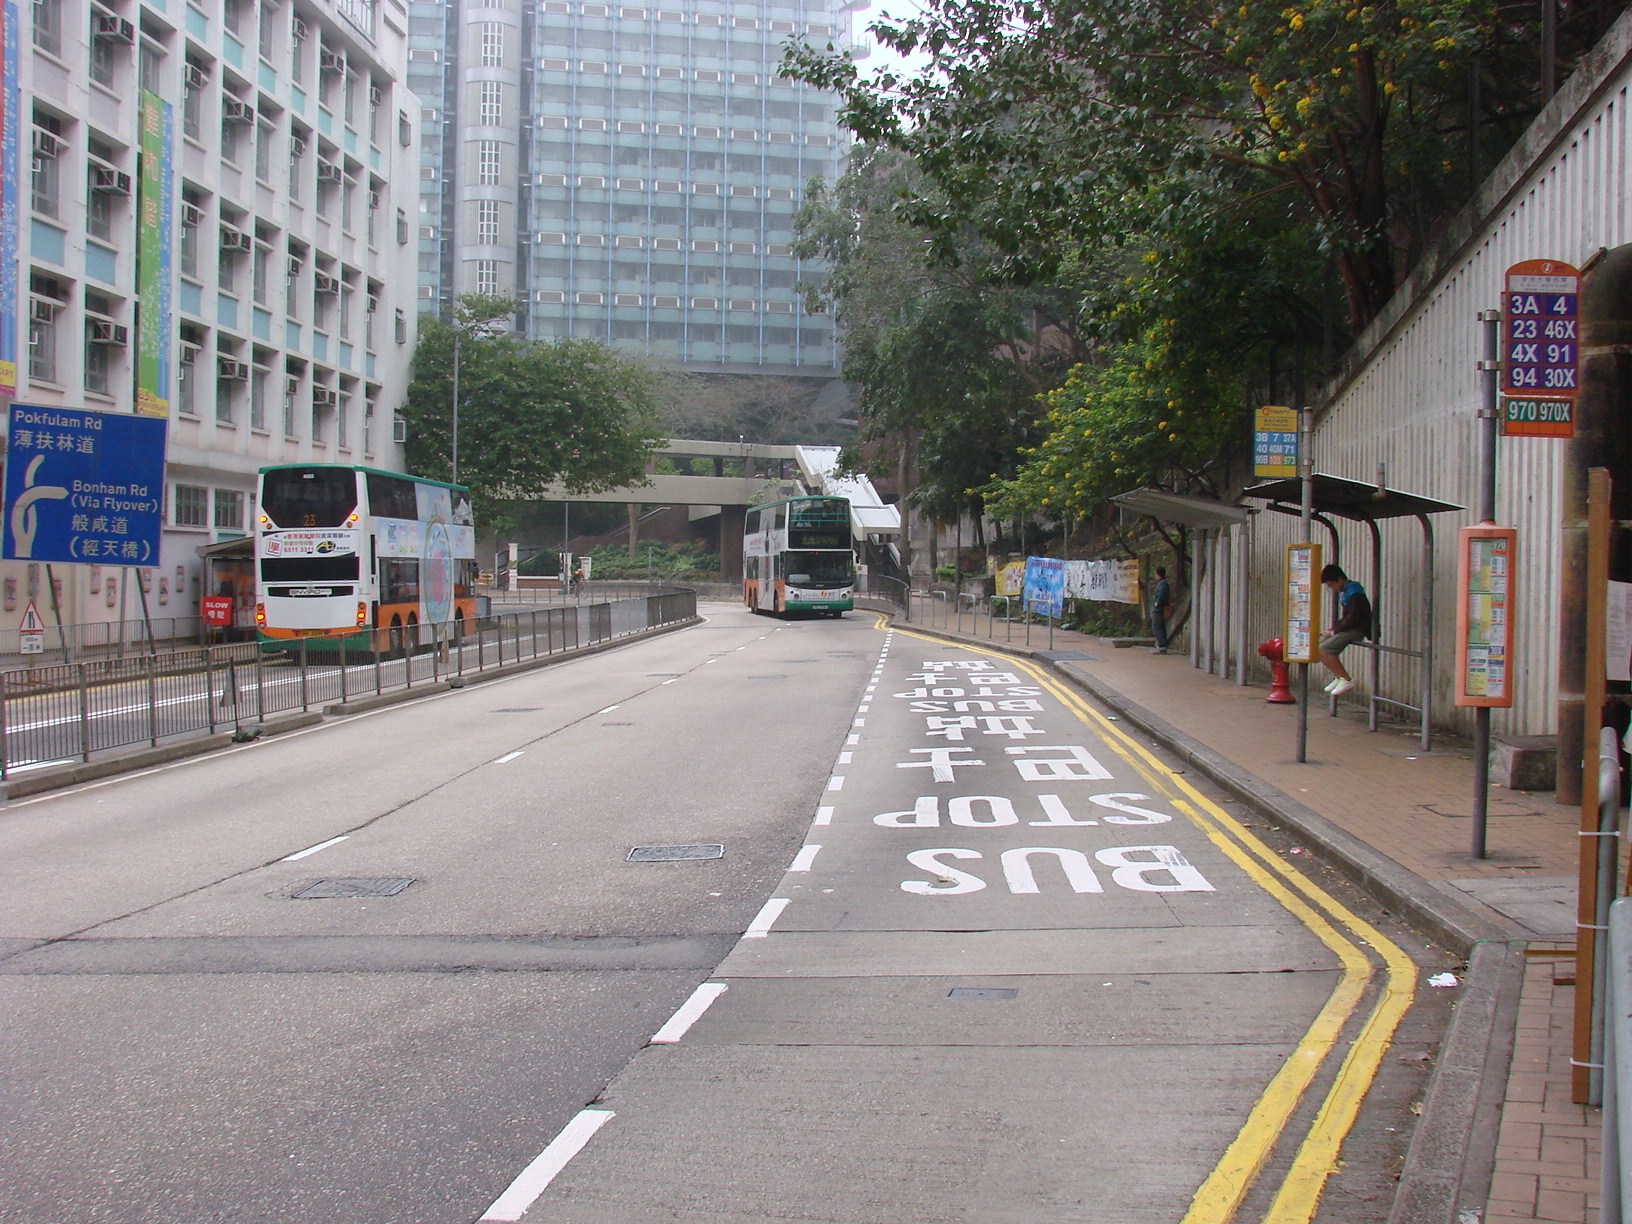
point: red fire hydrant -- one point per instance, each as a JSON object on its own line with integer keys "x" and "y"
{"x": 1279, "y": 692}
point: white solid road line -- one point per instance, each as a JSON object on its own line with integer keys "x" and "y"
{"x": 536, "y": 1177}
{"x": 766, "y": 918}
{"x": 824, "y": 815}
{"x": 509, "y": 756}
{"x": 805, "y": 857}
{"x": 610, "y": 708}
{"x": 835, "y": 783}
{"x": 300, "y": 854}
{"x": 689, "y": 1013}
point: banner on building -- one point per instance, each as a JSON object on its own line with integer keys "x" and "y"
{"x": 1045, "y": 586}
{"x": 1103, "y": 581}
{"x": 154, "y": 308}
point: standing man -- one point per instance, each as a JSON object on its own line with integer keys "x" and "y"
{"x": 1160, "y": 602}
{"x": 1353, "y": 625}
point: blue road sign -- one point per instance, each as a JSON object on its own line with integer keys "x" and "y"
{"x": 83, "y": 486}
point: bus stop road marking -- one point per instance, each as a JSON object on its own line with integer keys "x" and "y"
{"x": 766, "y": 918}
{"x": 510, "y": 756}
{"x": 688, "y": 1013}
{"x": 803, "y": 860}
{"x": 536, "y": 1177}
{"x": 1336, "y": 926}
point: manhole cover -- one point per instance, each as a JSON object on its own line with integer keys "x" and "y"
{"x": 982, "y": 992}
{"x": 356, "y": 886}
{"x": 519, "y": 710}
{"x": 675, "y": 854}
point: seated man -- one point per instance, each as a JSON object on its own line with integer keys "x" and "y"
{"x": 1353, "y": 625}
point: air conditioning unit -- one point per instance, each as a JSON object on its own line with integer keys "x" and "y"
{"x": 331, "y": 61}
{"x": 42, "y": 310}
{"x": 232, "y": 371}
{"x": 192, "y": 216}
{"x": 327, "y": 173}
{"x": 291, "y": 387}
{"x": 373, "y": 200}
{"x": 298, "y": 29}
{"x": 109, "y": 181}
{"x": 110, "y": 28}
{"x": 399, "y": 431}
{"x": 195, "y": 76}
{"x": 235, "y": 240}
{"x": 106, "y": 331}
{"x": 322, "y": 282}
{"x": 236, "y": 110}
{"x": 47, "y": 144}
{"x": 324, "y": 397}
{"x": 376, "y": 95}
{"x": 297, "y": 148}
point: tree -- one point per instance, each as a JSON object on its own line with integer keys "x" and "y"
{"x": 531, "y": 413}
{"x": 1041, "y": 119}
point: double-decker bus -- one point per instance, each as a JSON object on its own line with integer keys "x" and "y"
{"x": 797, "y": 557}
{"x": 378, "y": 560}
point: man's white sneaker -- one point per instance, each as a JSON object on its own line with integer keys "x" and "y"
{"x": 1332, "y": 683}
{"x": 1341, "y": 687}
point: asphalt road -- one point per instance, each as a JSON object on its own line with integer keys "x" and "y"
{"x": 969, "y": 955}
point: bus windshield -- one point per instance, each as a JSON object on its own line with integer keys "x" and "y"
{"x": 817, "y": 569}
{"x": 309, "y": 497}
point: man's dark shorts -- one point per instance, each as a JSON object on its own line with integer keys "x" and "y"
{"x": 1347, "y": 637}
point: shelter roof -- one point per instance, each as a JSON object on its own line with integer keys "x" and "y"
{"x": 1175, "y": 508}
{"x": 1360, "y": 500}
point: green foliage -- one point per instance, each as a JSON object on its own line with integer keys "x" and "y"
{"x": 692, "y": 562}
{"x": 531, "y": 413}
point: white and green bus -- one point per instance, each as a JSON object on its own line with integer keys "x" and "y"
{"x": 797, "y": 556}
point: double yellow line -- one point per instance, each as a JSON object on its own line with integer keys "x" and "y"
{"x": 1336, "y": 926}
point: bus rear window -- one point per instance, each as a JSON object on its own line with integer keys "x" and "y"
{"x": 309, "y": 569}
{"x": 309, "y": 497}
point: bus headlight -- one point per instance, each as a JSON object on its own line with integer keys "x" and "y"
{"x": 260, "y": 614}
{"x": 362, "y": 613}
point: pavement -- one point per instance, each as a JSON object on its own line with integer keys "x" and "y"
{"x": 1500, "y": 1140}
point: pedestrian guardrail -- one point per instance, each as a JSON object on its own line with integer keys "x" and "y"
{"x": 63, "y": 713}
{"x": 1616, "y": 1191}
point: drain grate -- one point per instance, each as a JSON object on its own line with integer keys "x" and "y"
{"x": 519, "y": 710}
{"x": 982, "y": 992}
{"x": 675, "y": 854}
{"x": 617, "y": 724}
{"x": 770, "y": 676}
{"x": 355, "y": 886}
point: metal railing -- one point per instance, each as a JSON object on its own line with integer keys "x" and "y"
{"x": 63, "y": 713}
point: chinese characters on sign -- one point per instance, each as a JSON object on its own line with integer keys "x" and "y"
{"x": 83, "y": 487}
{"x": 1275, "y": 443}
{"x": 1541, "y": 349}
{"x": 1302, "y": 602}
{"x": 1484, "y": 627}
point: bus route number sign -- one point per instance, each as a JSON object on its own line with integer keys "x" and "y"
{"x": 1541, "y": 349}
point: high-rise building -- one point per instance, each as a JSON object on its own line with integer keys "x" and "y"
{"x": 245, "y": 270}
{"x": 629, "y": 173}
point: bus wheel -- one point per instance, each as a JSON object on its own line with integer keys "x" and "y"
{"x": 410, "y": 644}
{"x": 396, "y": 650}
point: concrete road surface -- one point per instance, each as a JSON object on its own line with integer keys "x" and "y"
{"x": 968, "y": 954}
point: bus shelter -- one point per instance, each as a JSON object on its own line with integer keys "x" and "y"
{"x": 1218, "y": 573}
{"x": 1371, "y": 503}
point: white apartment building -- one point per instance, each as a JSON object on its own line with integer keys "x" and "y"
{"x": 278, "y": 324}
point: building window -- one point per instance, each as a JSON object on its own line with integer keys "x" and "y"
{"x": 192, "y": 220}
{"x": 487, "y": 277}
{"x": 402, "y": 327}
{"x": 229, "y": 510}
{"x": 297, "y": 51}
{"x": 487, "y": 222}
{"x": 492, "y": 45}
{"x": 291, "y": 287}
{"x": 191, "y": 506}
{"x": 487, "y": 163}
{"x": 347, "y": 296}
{"x": 98, "y": 361}
{"x": 42, "y": 339}
{"x": 48, "y": 26}
{"x": 149, "y": 66}
{"x": 187, "y": 377}
{"x": 297, "y": 158}
{"x": 260, "y": 388}
{"x": 103, "y": 66}
{"x": 105, "y": 187}
{"x": 492, "y": 104}
{"x": 265, "y": 133}
{"x": 192, "y": 102}
{"x": 45, "y": 178}
{"x": 261, "y": 280}
{"x": 291, "y": 393}
{"x": 342, "y": 413}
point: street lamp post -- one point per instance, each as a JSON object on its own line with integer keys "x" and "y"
{"x": 455, "y": 477}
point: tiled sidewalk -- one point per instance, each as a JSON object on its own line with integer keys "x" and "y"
{"x": 1415, "y": 808}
